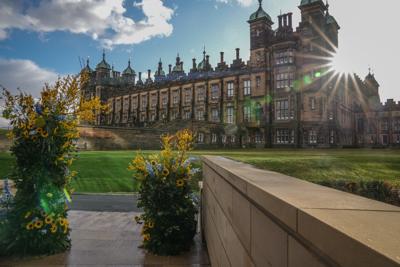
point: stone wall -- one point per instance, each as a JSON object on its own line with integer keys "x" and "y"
{"x": 253, "y": 217}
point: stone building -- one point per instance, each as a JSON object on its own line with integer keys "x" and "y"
{"x": 286, "y": 95}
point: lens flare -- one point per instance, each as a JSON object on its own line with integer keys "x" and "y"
{"x": 67, "y": 195}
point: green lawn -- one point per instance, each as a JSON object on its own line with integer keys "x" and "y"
{"x": 4, "y": 131}
{"x": 105, "y": 171}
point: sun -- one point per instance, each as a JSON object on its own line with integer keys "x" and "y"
{"x": 342, "y": 63}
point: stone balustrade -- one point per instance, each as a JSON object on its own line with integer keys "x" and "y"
{"x": 253, "y": 217}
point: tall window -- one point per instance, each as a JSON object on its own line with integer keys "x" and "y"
{"x": 214, "y": 138}
{"x": 313, "y": 103}
{"x": 201, "y": 115}
{"x": 292, "y": 136}
{"x": 143, "y": 118}
{"x": 248, "y": 139}
{"x": 164, "y": 98}
{"x": 258, "y": 137}
{"x": 282, "y": 136}
{"x": 398, "y": 138}
{"x": 246, "y": 114}
{"x": 284, "y": 80}
{"x": 176, "y": 115}
{"x": 125, "y": 119}
{"x": 313, "y": 136}
{"x": 215, "y": 115}
{"x": 246, "y": 87}
{"x": 330, "y": 111}
{"x": 153, "y": 117}
{"x": 232, "y": 139}
{"x": 258, "y": 81}
{"x": 332, "y": 137}
{"x": 224, "y": 138}
{"x": 230, "y": 89}
{"x": 135, "y": 105}
{"x": 126, "y": 103}
{"x": 258, "y": 56}
{"x": 154, "y": 100}
{"x": 118, "y": 104}
{"x": 384, "y": 139}
{"x": 230, "y": 115}
{"x": 215, "y": 91}
{"x": 187, "y": 95}
{"x": 111, "y": 105}
{"x": 176, "y": 97}
{"x": 372, "y": 138}
{"x": 384, "y": 124}
{"x": 201, "y": 93}
{"x": 144, "y": 101}
{"x": 200, "y": 137}
{"x": 187, "y": 114}
{"x": 291, "y": 109}
{"x": 282, "y": 108}
{"x": 396, "y": 124}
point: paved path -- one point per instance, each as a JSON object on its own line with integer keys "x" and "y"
{"x": 105, "y": 239}
{"x": 104, "y": 202}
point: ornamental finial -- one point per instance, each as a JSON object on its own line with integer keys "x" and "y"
{"x": 260, "y": 2}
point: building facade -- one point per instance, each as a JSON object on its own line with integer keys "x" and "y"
{"x": 286, "y": 95}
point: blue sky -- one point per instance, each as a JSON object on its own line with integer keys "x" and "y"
{"x": 40, "y": 40}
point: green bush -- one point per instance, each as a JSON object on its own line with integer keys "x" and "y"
{"x": 384, "y": 191}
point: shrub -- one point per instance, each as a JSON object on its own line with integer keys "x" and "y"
{"x": 35, "y": 220}
{"x": 166, "y": 196}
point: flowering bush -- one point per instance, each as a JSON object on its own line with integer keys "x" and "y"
{"x": 166, "y": 197}
{"x": 35, "y": 220}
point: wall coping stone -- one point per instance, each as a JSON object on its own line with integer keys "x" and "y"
{"x": 350, "y": 229}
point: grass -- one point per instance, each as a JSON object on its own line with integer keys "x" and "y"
{"x": 105, "y": 171}
{"x": 4, "y": 131}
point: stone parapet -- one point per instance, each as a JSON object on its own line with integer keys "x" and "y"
{"x": 254, "y": 217}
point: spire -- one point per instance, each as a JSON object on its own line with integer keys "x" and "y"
{"x": 204, "y": 53}
{"x": 113, "y": 66}
{"x": 129, "y": 62}
{"x": 260, "y": 2}
{"x": 104, "y": 54}
{"x": 87, "y": 64}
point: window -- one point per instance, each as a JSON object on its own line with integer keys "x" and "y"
{"x": 230, "y": 89}
{"x": 248, "y": 139}
{"x": 313, "y": 136}
{"x": 359, "y": 138}
{"x": 330, "y": 111}
{"x": 187, "y": 95}
{"x": 384, "y": 139}
{"x": 200, "y": 137}
{"x": 118, "y": 104}
{"x": 292, "y": 136}
{"x": 215, "y": 91}
{"x": 214, "y": 138}
{"x": 111, "y": 105}
{"x": 282, "y": 108}
{"x": 332, "y": 137}
{"x": 201, "y": 93}
{"x": 258, "y": 137}
{"x": 310, "y": 19}
{"x": 330, "y": 85}
{"x": 384, "y": 124}
{"x": 143, "y": 118}
{"x": 126, "y": 103}
{"x": 164, "y": 116}
{"x": 246, "y": 114}
{"x": 311, "y": 47}
{"x": 372, "y": 138}
{"x": 215, "y": 115}
{"x": 282, "y": 136}
{"x": 232, "y": 139}
{"x": 164, "y": 98}
{"x": 153, "y": 117}
{"x": 176, "y": 97}
{"x": 135, "y": 105}
{"x": 187, "y": 114}
{"x": 284, "y": 80}
{"x": 246, "y": 87}
{"x": 281, "y": 58}
{"x": 125, "y": 119}
{"x": 290, "y": 56}
{"x": 313, "y": 103}
{"x": 257, "y": 32}
{"x": 258, "y": 57}
{"x": 398, "y": 138}
{"x": 396, "y": 124}
{"x": 224, "y": 138}
{"x": 154, "y": 100}
{"x": 144, "y": 101}
{"x": 291, "y": 109}
{"x": 176, "y": 115}
{"x": 230, "y": 115}
{"x": 201, "y": 115}
{"x": 109, "y": 120}
{"x": 258, "y": 81}
{"x": 117, "y": 120}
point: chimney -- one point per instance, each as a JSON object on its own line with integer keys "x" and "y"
{"x": 285, "y": 20}
{"x": 222, "y": 57}
{"x": 207, "y": 59}
{"x": 169, "y": 68}
{"x": 237, "y": 53}
{"x": 140, "y": 77}
{"x": 182, "y": 65}
{"x": 148, "y": 71}
{"x": 280, "y": 21}
{"x": 194, "y": 63}
{"x": 290, "y": 19}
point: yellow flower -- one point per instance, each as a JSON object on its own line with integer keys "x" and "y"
{"x": 153, "y": 163}
{"x": 137, "y": 218}
{"x": 44, "y": 134}
{"x": 39, "y": 224}
{"x": 179, "y": 182}
{"x": 164, "y": 179}
{"x": 23, "y": 126}
{"x": 186, "y": 196}
{"x": 54, "y": 228}
{"x": 165, "y": 172}
{"x": 27, "y": 215}
{"x": 48, "y": 220}
{"x": 29, "y": 226}
{"x": 30, "y": 126}
{"x": 34, "y": 137}
{"x": 45, "y": 94}
{"x": 147, "y": 237}
{"x": 44, "y": 214}
{"x": 63, "y": 222}
{"x": 39, "y": 130}
{"x": 65, "y": 229}
{"x": 151, "y": 224}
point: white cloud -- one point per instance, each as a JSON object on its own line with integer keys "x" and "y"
{"x": 216, "y": 7}
{"x": 240, "y": 2}
{"x": 103, "y": 20}
{"x": 26, "y": 75}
